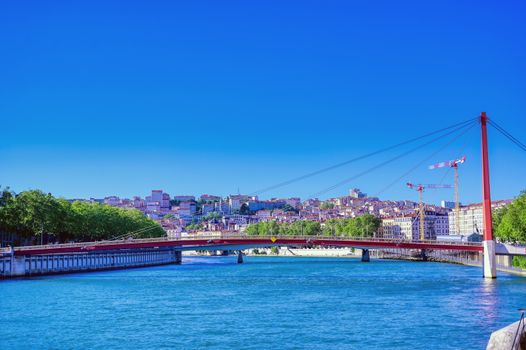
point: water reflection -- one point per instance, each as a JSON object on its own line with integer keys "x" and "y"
{"x": 488, "y": 300}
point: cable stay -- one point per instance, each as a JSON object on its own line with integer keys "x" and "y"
{"x": 423, "y": 161}
{"x": 345, "y": 181}
{"x": 507, "y": 135}
{"x": 130, "y": 234}
{"x": 365, "y": 156}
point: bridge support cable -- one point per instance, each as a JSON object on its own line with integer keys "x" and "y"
{"x": 423, "y": 161}
{"x": 382, "y": 164}
{"x": 362, "y": 157}
{"x": 507, "y": 135}
{"x": 132, "y": 234}
{"x": 143, "y": 230}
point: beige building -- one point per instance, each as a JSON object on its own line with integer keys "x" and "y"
{"x": 471, "y": 218}
{"x": 389, "y": 228}
{"x": 408, "y": 227}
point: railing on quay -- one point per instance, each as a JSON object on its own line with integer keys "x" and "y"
{"x": 520, "y": 328}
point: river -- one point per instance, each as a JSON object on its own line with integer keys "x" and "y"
{"x": 265, "y": 303}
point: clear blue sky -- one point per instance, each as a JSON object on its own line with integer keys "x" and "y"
{"x": 121, "y": 97}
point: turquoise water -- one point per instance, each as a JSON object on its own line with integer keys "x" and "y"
{"x": 274, "y": 303}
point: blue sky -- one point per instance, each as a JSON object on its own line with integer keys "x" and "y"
{"x": 120, "y": 97}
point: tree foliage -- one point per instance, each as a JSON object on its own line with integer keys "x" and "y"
{"x": 510, "y": 221}
{"x": 362, "y": 226}
{"x": 194, "y": 227}
{"x": 35, "y": 216}
{"x": 520, "y": 261}
{"x": 327, "y": 205}
{"x": 213, "y": 215}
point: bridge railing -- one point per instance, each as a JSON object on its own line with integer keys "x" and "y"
{"x": 5, "y": 250}
{"x": 222, "y": 236}
{"x": 91, "y": 244}
{"x": 343, "y": 238}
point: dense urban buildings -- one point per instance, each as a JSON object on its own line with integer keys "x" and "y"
{"x": 400, "y": 219}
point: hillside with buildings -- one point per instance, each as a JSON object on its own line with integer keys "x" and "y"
{"x": 400, "y": 218}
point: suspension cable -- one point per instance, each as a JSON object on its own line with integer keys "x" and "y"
{"x": 425, "y": 160}
{"x": 507, "y": 135}
{"x": 133, "y": 233}
{"x": 335, "y": 166}
{"x": 388, "y": 161}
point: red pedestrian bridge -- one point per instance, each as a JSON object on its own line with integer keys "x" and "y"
{"x": 241, "y": 242}
{"x": 128, "y": 253}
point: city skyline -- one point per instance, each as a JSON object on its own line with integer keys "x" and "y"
{"x": 197, "y": 197}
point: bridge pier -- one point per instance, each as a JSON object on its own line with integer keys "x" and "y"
{"x": 240, "y": 257}
{"x": 178, "y": 257}
{"x": 365, "y": 255}
{"x": 490, "y": 263}
{"x": 423, "y": 255}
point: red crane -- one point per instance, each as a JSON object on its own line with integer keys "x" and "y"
{"x": 453, "y": 164}
{"x": 420, "y": 189}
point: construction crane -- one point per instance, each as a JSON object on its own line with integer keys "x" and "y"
{"x": 420, "y": 189}
{"x": 453, "y": 164}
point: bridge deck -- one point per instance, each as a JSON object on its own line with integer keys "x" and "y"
{"x": 233, "y": 241}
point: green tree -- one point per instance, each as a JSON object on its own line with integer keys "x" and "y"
{"x": 6, "y": 195}
{"x": 331, "y": 227}
{"x": 212, "y": 215}
{"x": 253, "y": 229}
{"x": 35, "y": 217}
{"x": 510, "y": 221}
{"x": 509, "y": 224}
{"x": 366, "y": 225}
{"x": 40, "y": 214}
{"x": 194, "y": 226}
{"x": 362, "y": 226}
{"x": 327, "y": 205}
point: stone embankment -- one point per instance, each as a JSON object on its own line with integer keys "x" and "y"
{"x": 12, "y": 265}
{"x": 511, "y": 337}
